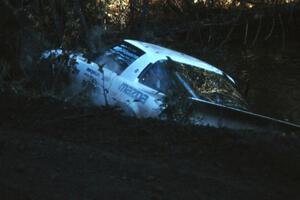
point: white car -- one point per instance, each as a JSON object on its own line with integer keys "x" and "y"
{"x": 138, "y": 77}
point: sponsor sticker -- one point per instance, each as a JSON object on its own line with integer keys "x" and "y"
{"x": 133, "y": 93}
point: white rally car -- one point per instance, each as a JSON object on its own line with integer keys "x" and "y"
{"x": 138, "y": 77}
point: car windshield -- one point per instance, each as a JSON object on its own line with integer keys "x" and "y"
{"x": 216, "y": 88}
{"x": 200, "y": 83}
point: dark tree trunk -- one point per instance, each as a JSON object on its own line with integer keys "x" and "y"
{"x": 84, "y": 25}
{"x": 56, "y": 18}
{"x": 132, "y": 15}
{"x": 145, "y": 13}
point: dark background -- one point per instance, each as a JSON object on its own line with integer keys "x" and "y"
{"x": 52, "y": 150}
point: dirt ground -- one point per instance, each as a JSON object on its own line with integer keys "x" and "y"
{"x": 49, "y": 150}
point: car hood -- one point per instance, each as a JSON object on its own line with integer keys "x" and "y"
{"x": 212, "y": 114}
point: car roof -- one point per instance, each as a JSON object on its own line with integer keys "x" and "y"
{"x": 155, "y": 50}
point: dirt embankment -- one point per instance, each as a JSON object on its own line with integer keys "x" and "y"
{"x": 49, "y": 150}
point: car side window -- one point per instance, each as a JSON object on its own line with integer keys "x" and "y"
{"x": 158, "y": 77}
{"x": 118, "y": 58}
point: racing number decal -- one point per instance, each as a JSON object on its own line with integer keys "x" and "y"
{"x": 133, "y": 93}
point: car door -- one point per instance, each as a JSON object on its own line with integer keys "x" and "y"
{"x": 135, "y": 98}
{"x": 145, "y": 96}
{"x": 156, "y": 81}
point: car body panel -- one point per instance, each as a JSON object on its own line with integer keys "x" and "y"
{"x": 126, "y": 91}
